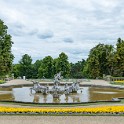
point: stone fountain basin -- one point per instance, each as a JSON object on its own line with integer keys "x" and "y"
{"x": 88, "y": 94}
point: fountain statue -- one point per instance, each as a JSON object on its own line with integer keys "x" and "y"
{"x": 56, "y": 90}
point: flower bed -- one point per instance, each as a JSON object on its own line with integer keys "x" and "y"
{"x": 96, "y": 110}
{"x": 119, "y": 81}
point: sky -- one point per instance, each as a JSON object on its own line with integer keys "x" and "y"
{"x": 48, "y": 27}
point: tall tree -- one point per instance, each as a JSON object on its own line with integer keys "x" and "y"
{"x": 63, "y": 65}
{"x": 99, "y": 61}
{"x": 55, "y": 61}
{"x": 46, "y": 68}
{"x": 16, "y": 70}
{"x": 110, "y": 60}
{"x": 77, "y": 69}
{"x": 6, "y": 56}
{"x": 36, "y": 67}
{"x": 119, "y": 58}
{"x": 26, "y": 66}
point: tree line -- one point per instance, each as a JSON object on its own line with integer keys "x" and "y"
{"x": 103, "y": 59}
{"x": 48, "y": 67}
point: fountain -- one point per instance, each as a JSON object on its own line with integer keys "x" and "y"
{"x": 59, "y": 92}
{"x": 56, "y": 90}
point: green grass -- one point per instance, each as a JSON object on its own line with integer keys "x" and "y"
{"x": 122, "y": 101}
{"x": 2, "y": 81}
{"x": 115, "y": 83}
{"x": 62, "y": 105}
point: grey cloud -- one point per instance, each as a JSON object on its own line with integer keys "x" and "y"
{"x": 77, "y": 50}
{"x": 82, "y": 52}
{"x": 68, "y": 40}
{"x": 16, "y": 33}
{"x": 16, "y": 29}
{"x": 18, "y": 25}
{"x": 33, "y": 32}
{"x": 45, "y": 35}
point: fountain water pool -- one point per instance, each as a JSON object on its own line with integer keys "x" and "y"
{"x": 88, "y": 94}
{"x": 68, "y": 93}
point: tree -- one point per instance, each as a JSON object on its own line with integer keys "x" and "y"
{"x": 36, "y": 67}
{"x": 62, "y": 64}
{"x": 6, "y": 56}
{"x": 86, "y": 71}
{"x": 110, "y": 60}
{"x": 119, "y": 58}
{"x": 99, "y": 61}
{"x": 76, "y": 70}
{"x": 46, "y": 68}
{"x": 55, "y": 61}
{"x": 16, "y": 70}
{"x": 26, "y": 66}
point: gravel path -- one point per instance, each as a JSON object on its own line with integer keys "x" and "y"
{"x": 61, "y": 120}
{"x": 16, "y": 82}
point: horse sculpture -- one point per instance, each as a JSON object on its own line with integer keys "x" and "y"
{"x": 39, "y": 88}
{"x": 56, "y": 91}
{"x": 73, "y": 88}
{"x": 57, "y": 78}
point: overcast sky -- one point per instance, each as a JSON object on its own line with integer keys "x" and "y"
{"x": 49, "y": 27}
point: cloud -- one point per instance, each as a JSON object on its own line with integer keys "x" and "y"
{"x": 68, "y": 40}
{"x": 33, "y": 32}
{"x": 45, "y": 35}
{"x": 44, "y": 27}
{"x": 17, "y": 29}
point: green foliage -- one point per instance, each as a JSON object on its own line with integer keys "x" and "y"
{"x": 26, "y": 66}
{"x": 36, "y": 67}
{"x": 16, "y": 70}
{"x": 6, "y": 56}
{"x": 50, "y": 66}
{"x": 55, "y": 61}
{"x": 99, "y": 61}
{"x": 105, "y": 59}
{"x": 2, "y": 81}
{"x": 119, "y": 58}
{"x": 46, "y": 68}
{"x": 77, "y": 69}
{"x": 62, "y": 64}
